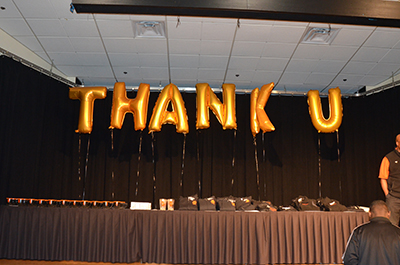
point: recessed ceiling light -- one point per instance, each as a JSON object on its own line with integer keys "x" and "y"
{"x": 320, "y": 35}
{"x": 149, "y": 29}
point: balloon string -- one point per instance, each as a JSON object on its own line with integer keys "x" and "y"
{"x": 79, "y": 157}
{"x": 154, "y": 169}
{"x": 256, "y": 160}
{"x": 112, "y": 140}
{"x": 138, "y": 167}
{"x": 199, "y": 180}
{"x": 338, "y": 150}
{"x": 337, "y": 143}
{"x": 112, "y": 172}
{"x": 263, "y": 144}
{"x": 86, "y": 169}
{"x": 265, "y": 177}
{"x": 233, "y": 160}
{"x": 319, "y": 166}
{"x": 183, "y": 162}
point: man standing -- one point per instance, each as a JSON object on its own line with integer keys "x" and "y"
{"x": 376, "y": 242}
{"x": 389, "y": 175}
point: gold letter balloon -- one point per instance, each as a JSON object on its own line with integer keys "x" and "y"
{"x": 258, "y": 116}
{"x": 225, "y": 113}
{"x": 177, "y": 117}
{"x": 335, "y": 111}
{"x": 87, "y": 96}
{"x": 122, "y": 105}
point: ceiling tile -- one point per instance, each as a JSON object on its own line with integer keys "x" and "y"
{"x": 302, "y": 65}
{"x": 372, "y": 80}
{"x": 15, "y": 27}
{"x": 98, "y": 81}
{"x": 330, "y": 66}
{"x": 218, "y": 31}
{"x": 209, "y": 73}
{"x": 120, "y": 45}
{"x": 265, "y": 77}
{"x": 66, "y": 58}
{"x": 393, "y": 56}
{"x": 80, "y": 27}
{"x": 184, "y": 30}
{"x": 340, "y": 53}
{"x": 190, "y": 61}
{"x": 82, "y": 59}
{"x": 358, "y": 68}
{"x": 271, "y": 64}
{"x": 310, "y": 51}
{"x": 243, "y": 48}
{"x": 62, "y": 8}
{"x": 215, "y": 47}
{"x": 127, "y": 72}
{"x": 154, "y": 73}
{"x": 320, "y": 78}
{"x": 293, "y": 78}
{"x": 30, "y": 42}
{"x": 351, "y": 36}
{"x": 36, "y": 9}
{"x": 10, "y": 10}
{"x": 47, "y": 27}
{"x": 184, "y": 47}
{"x": 115, "y": 28}
{"x": 87, "y": 71}
{"x": 243, "y": 63}
{"x": 235, "y": 76}
{"x": 151, "y": 46}
{"x": 91, "y": 44}
{"x": 385, "y": 69}
{"x": 184, "y": 74}
{"x": 152, "y": 60}
{"x": 365, "y": 54}
{"x": 207, "y": 61}
{"x": 278, "y": 50}
{"x": 124, "y": 59}
{"x": 346, "y": 80}
{"x": 383, "y": 38}
{"x": 55, "y": 44}
{"x": 286, "y": 34}
{"x": 253, "y": 32}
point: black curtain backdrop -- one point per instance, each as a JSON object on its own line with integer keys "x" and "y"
{"x": 41, "y": 156}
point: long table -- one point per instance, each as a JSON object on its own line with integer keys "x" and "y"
{"x": 185, "y": 237}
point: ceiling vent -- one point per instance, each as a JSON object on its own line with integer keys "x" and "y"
{"x": 149, "y": 29}
{"x": 320, "y": 35}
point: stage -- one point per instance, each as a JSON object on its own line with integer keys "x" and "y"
{"x": 184, "y": 237}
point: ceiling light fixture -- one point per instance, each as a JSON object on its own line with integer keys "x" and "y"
{"x": 320, "y": 35}
{"x": 149, "y": 29}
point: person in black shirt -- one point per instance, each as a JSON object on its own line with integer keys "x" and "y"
{"x": 376, "y": 242}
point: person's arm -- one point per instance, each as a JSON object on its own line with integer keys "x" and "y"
{"x": 351, "y": 254}
{"x": 384, "y": 186}
{"x": 384, "y": 175}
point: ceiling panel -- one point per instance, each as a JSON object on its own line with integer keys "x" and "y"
{"x": 47, "y": 27}
{"x": 245, "y": 48}
{"x": 221, "y": 48}
{"x": 125, "y": 59}
{"x": 15, "y": 26}
{"x": 370, "y": 54}
{"x": 101, "y": 48}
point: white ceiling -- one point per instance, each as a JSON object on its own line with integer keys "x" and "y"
{"x": 102, "y": 49}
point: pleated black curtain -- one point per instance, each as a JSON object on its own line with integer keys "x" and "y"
{"x": 42, "y": 157}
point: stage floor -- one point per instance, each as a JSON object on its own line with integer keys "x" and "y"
{"x": 40, "y": 262}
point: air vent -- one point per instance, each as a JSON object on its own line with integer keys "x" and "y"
{"x": 320, "y": 35}
{"x": 149, "y": 29}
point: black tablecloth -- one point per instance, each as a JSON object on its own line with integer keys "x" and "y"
{"x": 121, "y": 235}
